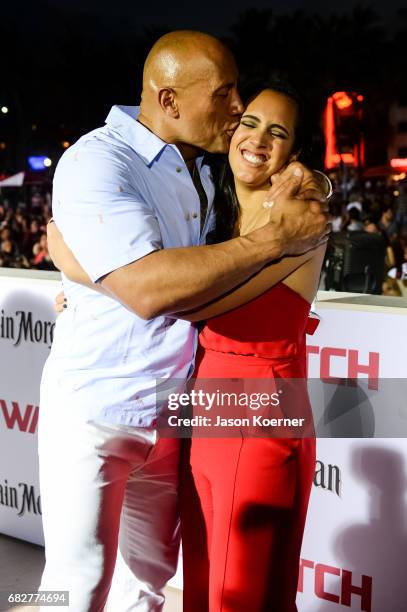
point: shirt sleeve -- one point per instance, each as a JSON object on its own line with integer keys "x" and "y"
{"x": 98, "y": 207}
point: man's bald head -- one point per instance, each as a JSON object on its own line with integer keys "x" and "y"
{"x": 176, "y": 58}
{"x": 189, "y": 95}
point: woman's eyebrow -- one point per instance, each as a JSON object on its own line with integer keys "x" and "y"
{"x": 272, "y": 125}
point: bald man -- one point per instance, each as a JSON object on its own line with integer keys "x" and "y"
{"x": 133, "y": 201}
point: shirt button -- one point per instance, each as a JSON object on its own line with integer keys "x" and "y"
{"x": 187, "y": 217}
{"x": 194, "y": 215}
{"x": 178, "y": 169}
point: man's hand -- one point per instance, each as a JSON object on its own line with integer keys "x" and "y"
{"x": 298, "y": 210}
{"x": 313, "y": 184}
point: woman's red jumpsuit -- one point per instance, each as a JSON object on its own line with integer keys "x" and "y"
{"x": 244, "y": 499}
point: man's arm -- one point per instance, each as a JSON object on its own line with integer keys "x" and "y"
{"x": 179, "y": 279}
{"x": 259, "y": 283}
{"x": 301, "y": 273}
{"x": 170, "y": 281}
{"x": 174, "y": 280}
{"x": 269, "y": 276}
{"x": 177, "y": 263}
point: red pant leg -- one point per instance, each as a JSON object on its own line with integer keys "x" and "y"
{"x": 256, "y": 493}
{"x": 260, "y": 490}
{"x": 196, "y": 522}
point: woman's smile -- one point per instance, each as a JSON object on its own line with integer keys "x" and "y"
{"x": 253, "y": 158}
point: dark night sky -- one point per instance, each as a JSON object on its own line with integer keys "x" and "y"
{"x": 74, "y": 58}
{"x": 211, "y": 15}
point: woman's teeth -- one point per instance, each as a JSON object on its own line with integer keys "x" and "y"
{"x": 252, "y": 158}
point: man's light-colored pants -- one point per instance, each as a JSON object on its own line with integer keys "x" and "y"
{"x": 105, "y": 487}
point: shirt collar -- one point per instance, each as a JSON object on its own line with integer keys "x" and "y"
{"x": 144, "y": 142}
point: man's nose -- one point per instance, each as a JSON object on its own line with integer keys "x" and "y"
{"x": 237, "y": 107}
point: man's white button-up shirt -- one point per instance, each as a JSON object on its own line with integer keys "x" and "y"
{"x": 121, "y": 193}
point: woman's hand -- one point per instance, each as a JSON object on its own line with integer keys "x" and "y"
{"x": 60, "y": 302}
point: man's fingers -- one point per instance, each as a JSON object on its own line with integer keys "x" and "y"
{"x": 277, "y": 177}
{"x": 313, "y": 194}
{"x": 293, "y": 184}
{"x": 326, "y": 226}
{"x": 319, "y": 207}
{"x": 274, "y": 192}
{"x": 288, "y": 187}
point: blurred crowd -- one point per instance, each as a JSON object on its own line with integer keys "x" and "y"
{"x": 23, "y": 221}
{"x": 378, "y": 208}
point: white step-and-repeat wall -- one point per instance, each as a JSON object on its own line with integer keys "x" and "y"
{"x": 354, "y": 554}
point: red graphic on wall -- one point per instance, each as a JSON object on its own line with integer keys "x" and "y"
{"x": 353, "y": 363}
{"x": 16, "y": 417}
{"x": 344, "y": 591}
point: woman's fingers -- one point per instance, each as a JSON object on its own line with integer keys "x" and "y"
{"x": 60, "y": 302}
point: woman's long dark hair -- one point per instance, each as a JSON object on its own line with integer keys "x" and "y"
{"x": 226, "y": 204}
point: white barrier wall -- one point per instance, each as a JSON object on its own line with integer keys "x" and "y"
{"x": 26, "y": 327}
{"x": 355, "y": 547}
{"x": 355, "y": 544}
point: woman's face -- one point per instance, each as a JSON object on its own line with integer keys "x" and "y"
{"x": 262, "y": 143}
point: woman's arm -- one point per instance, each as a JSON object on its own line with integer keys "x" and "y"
{"x": 63, "y": 257}
{"x": 255, "y": 286}
{"x": 300, "y": 273}
{"x": 65, "y": 260}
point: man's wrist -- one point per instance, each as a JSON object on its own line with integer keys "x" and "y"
{"x": 265, "y": 250}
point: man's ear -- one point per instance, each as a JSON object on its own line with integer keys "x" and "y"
{"x": 168, "y": 101}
